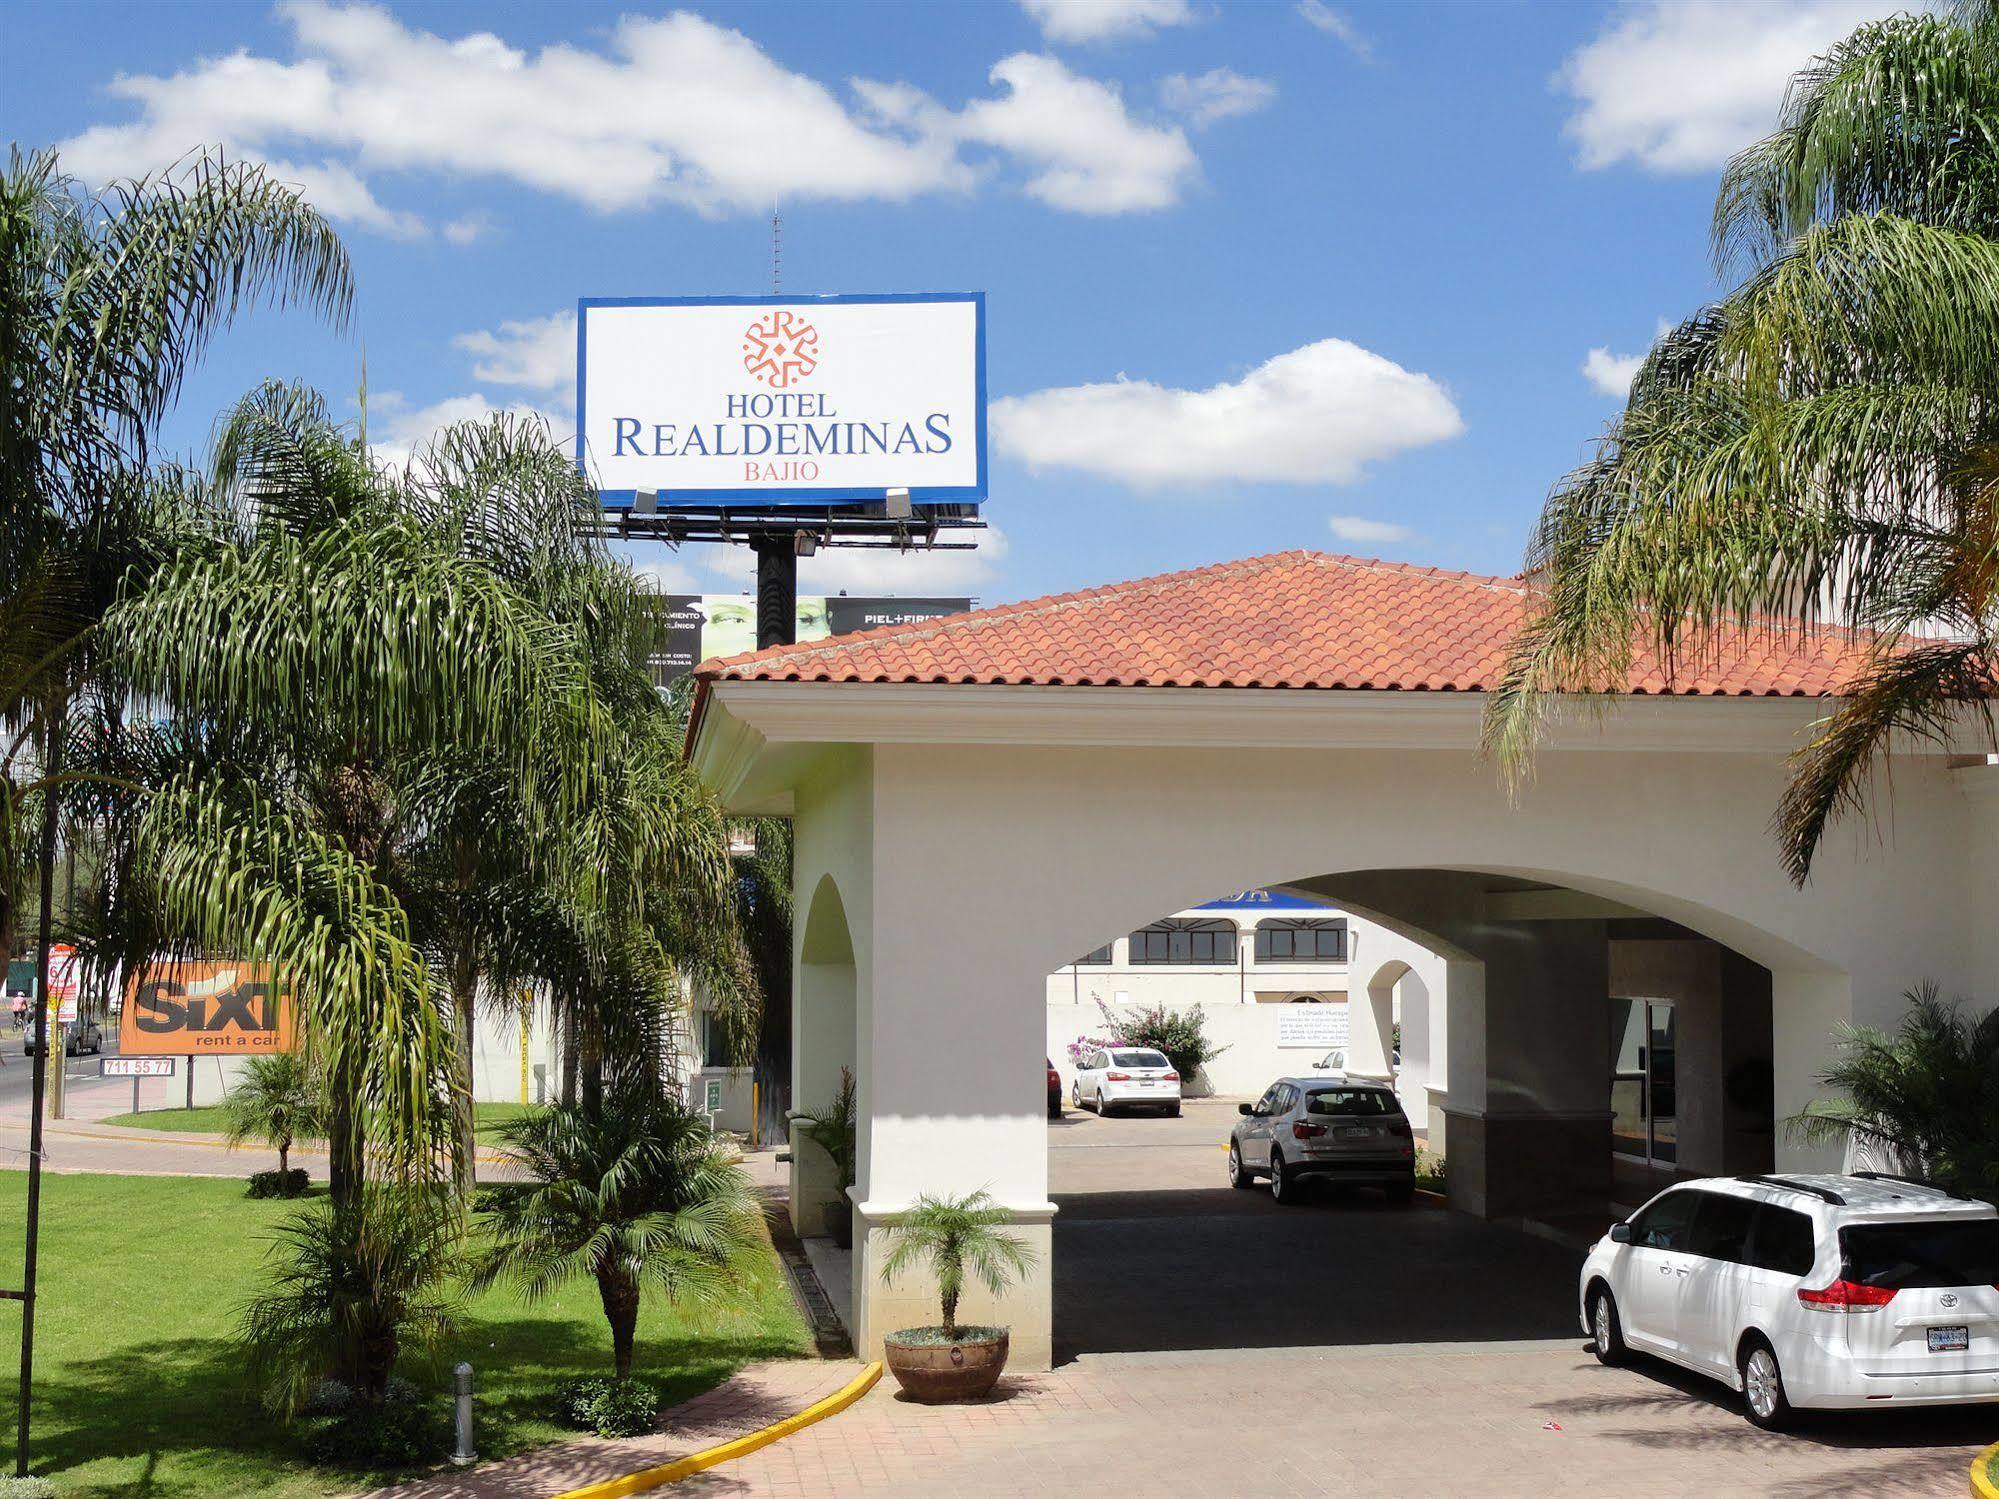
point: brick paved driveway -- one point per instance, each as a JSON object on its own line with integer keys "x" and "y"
{"x": 1211, "y": 1343}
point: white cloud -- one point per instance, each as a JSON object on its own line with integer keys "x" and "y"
{"x": 1093, "y": 155}
{"x": 1319, "y": 414}
{"x": 1681, "y": 85}
{"x": 1099, "y": 20}
{"x": 1338, "y": 25}
{"x": 1360, "y": 529}
{"x": 871, "y": 571}
{"x": 1219, "y": 94}
{"x": 668, "y": 110}
{"x": 398, "y": 431}
{"x": 1612, "y": 373}
{"x": 537, "y": 354}
{"x": 468, "y": 230}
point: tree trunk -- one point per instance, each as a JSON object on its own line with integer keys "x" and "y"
{"x": 620, "y": 1295}
{"x": 569, "y": 1060}
{"x": 950, "y": 1314}
{"x": 284, "y": 1153}
{"x": 464, "y": 996}
{"x": 344, "y": 1143}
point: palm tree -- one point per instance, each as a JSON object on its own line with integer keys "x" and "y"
{"x": 956, "y": 1235}
{"x": 633, "y": 1193}
{"x": 1819, "y": 449}
{"x": 1929, "y": 1094}
{"x": 351, "y": 1289}
{"x": 277, "y": 1099}
{"x": 106, "y": 301}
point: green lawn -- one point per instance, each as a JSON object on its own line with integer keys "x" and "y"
{"x": 211, "y": 1119}
{"x": 140, "y": 1390}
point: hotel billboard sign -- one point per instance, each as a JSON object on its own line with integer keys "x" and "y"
{"x": 782, "y": 400}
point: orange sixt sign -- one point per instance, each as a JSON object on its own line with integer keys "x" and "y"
{"x": 202, "y": 1007}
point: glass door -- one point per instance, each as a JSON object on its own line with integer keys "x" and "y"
{"x": 1644, "y": 1078}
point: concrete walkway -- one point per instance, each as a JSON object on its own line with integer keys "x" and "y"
{"x": 750, "y": 1401}
{"x": 1408, "y": 1421}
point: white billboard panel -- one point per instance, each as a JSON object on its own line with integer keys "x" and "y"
{"x": 786, "y": 400}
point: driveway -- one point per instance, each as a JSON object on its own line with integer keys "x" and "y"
{"x": 1154, "y": 1251}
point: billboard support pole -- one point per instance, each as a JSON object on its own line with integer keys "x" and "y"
{"x": 777, "y": 588}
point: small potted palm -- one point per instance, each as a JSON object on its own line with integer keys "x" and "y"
{"x": 952, "y": 1235}
{"x": 832, "y": 1129}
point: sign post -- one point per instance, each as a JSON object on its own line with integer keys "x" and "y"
{"x": 136, "y": 1068}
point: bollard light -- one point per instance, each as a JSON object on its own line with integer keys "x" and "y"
{"x": 461, "y": 1382}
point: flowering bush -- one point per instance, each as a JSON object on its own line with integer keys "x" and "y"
{"x": 1082, "y": 1046}
{"x": 1178, "y": 1033}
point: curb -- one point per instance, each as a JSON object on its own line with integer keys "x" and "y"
{"x": 709, "y": 1457}
{"x": 1982, "y": 1486}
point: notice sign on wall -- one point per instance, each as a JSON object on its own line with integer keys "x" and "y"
{"x": 1312, "y": 1027}
{"x": 789, "y": 400}
{"x": 201, "y": 1008}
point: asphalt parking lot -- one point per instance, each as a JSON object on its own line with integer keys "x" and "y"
{"x": 1148, "y": 1220}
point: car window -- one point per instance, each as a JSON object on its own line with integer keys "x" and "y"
{"x": 1721, "y": 1226}
{"x": 1781, "y": 1239}
{"x": 1374, "y": 1103}
{"x": 1907, "y": 1256}
{"x": 1139, "y": 1059}
{"x": 1664, "y": 1224}
{"x": 1268, "y": 1103}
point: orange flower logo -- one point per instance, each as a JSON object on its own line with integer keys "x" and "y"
{"x": 781, "y": 349}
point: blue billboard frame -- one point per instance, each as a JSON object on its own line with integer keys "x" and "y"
{"x": 782, "y": 495}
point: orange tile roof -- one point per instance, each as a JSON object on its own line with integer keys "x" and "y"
{"x": 1291, "y": 619}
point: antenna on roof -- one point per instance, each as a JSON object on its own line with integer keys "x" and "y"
{"x": 776, "y": 250}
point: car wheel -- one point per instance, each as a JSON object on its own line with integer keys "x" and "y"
{"x": 1763, "y": 1397}
{"x": 1076, "y": 1096}
{"x": 1606, "y": 1332}
{"x": 1240, "y": 1176}
{"x": 1283, "y": 1186}
{"x": 1103, "y": 1105}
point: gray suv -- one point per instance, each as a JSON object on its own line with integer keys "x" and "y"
{"x": 1325, "y": 1127}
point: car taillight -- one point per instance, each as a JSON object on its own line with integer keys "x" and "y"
{"x": 1172, "y": 1077}
{"x": 1846, "y": 1296}
{"x": 1117, "y": 1077}
{"x": 1303, "y": 1131}
{"x": 1400, "y": 1127}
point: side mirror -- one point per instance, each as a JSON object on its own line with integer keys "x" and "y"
{"x": 1620, "y": 1233}
{"x": 1245, "y": 1109}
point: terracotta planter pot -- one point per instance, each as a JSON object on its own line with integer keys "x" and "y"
{"x": 840, "y": 1223}
{"x": 935, "y": 1373}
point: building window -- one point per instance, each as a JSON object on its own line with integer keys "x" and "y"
{"x": 1099, "y": 958}
{"x": 1301, "y": 942}
{"x": 1177, "y": 941}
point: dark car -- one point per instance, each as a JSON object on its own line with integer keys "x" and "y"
{"x": 1054, "y": 1091}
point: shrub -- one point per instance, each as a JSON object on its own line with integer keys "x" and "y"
{"x": 402, "y": 1428}
{"x": 292, "y": 1183}
{"x": 833, "y": 1129}
{"x": 609, "y": 1407}
{"x": 1178, "y": 1033}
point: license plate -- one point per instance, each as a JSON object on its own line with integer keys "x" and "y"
{"x": 1950, "y": 1339}
{"x": 1356, "y": 1132}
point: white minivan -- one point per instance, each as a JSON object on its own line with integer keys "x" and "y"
{"x": 1806, "y": 1290}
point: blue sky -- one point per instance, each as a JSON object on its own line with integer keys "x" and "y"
{"x": 1350, "y": 260}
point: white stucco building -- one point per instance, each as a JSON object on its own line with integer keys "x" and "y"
{"x": 979, "y": 800}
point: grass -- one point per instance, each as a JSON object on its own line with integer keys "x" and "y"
{"x": 213, "y": 1119}
{"x": 140, "y": 1389}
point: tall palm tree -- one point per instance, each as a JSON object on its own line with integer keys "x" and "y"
{"x": 1819, "y": 449}
{"x": 106, "y": 302}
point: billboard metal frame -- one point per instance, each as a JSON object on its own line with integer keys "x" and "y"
{"x": 781, "y": 502}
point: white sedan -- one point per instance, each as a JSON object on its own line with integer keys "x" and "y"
{"x": 1126, "y": 1077}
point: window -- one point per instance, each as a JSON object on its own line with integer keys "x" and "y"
{"x": 1140, "y": 1059}
{"x": 1907, "y": 1256}
{"x": 1268, "y": 1103}
{"x": 1721, "y": 1227}
{"x": 1370, "y": 1103}
{"x": 1096, "y": 958}
{"x": 1301, "y": 942}
{"x": 1665, "y": 1223}
{"x": 1176, "y": 941}
{"x": 1781, "y": 1239}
